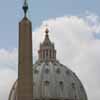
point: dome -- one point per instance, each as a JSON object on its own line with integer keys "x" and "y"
{"x": 54, "y": 81}
{"x": 51, "y": 79}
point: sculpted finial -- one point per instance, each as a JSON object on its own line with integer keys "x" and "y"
{"x": 25, "y": 7}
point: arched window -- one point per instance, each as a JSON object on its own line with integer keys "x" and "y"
{"x": 46, "y": 54}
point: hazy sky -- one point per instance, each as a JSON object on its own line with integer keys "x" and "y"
{"x": 11, "y": 14}
{"x": 74, "y": 26}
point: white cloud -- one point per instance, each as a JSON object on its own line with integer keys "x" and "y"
{"x": 7, "y": 77}
{"x": 8, "y": 62}
{"x": 77, "y": 47}
{"x": 8, "y": 58}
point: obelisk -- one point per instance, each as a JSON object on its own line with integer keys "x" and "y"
{"x": 25, "y": 76}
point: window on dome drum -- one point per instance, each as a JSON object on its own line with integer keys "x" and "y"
{"x": 61, "y": 85}
{"x": 81, "y": 87}
{"x": 55, "y": 63}
{"x": 58, "y": 70}
{"x": 61, "y": 82}
{"x": 73, "y": 85}
{"x": 50, "y": 53}
{"x": 53, "y": 54}
{"x": 47, "y": 63}
{"x": 46, "y": 53}
{"x": 46, "y": 70}
{"x": 67, "y": 72}
{"x": 36, "y": 71}
{"x": 46, "y": 82}
{"x": 43, "y": 54}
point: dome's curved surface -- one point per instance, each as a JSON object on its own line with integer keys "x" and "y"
{"x": 51, "y": 79}
{"x": 54, "y": 81}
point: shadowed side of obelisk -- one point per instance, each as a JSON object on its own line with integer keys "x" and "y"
{"x": 25, "y": 75}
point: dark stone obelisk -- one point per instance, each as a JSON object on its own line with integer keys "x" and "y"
{"x": 25, "y": 76}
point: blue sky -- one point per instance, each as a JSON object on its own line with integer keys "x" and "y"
{"x": 11, "y": 14}
{"x": 74, "y": 26}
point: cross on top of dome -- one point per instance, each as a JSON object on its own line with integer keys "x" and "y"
{"x": 47, "y": 50}
{"x": 47, "y": 40}
{"x": 46, "y": 30}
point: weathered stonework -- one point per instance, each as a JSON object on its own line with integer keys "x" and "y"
{"x": 25, "y": 79}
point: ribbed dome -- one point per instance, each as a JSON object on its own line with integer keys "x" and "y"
{"x": 51, "y": 79}
{"x": 54, "y": 81}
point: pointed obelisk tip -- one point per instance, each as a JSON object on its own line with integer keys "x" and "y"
{"x": 25, "y": 7}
